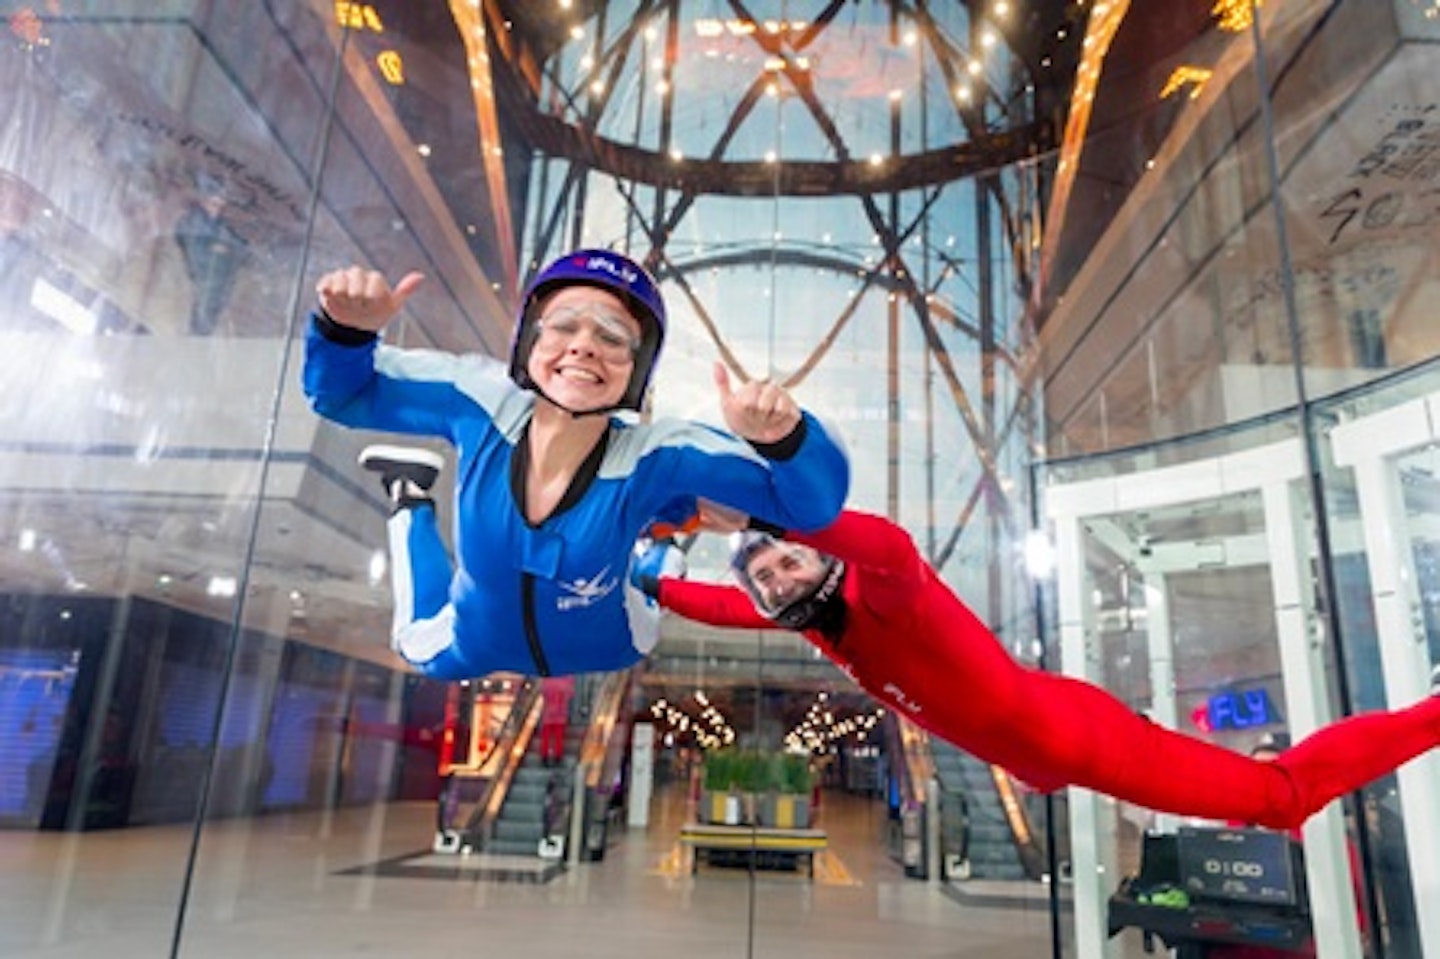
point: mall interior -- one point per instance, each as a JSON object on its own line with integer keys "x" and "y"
{"x": 1117, "y": 307}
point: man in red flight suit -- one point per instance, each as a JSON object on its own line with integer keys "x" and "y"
{"x": 861, "y": 592}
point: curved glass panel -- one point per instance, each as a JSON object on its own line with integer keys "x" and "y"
{"x": 1152, "y": 279}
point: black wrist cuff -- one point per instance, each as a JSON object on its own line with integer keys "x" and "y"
{"x": 761, "y": 526}
{"x": 785, "y": 447}
{"x": 339, "y": 333}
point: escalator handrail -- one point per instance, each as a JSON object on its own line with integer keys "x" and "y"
{"x": 918, "y": 764}
{"x": 1017, "y": 817}
{"x": 597, "y": 754}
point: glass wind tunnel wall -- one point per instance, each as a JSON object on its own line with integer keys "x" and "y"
{"x": 189, "y": 618}
{"x": 1204, "y": 316}
{"x": 207, "y": 739}
{"x": 1238, "y": 367}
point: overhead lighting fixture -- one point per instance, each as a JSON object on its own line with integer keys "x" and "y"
{"x": 1195, "y": 77}
{"x": 392, "y": 67}
{"x": 223, "y": 586}
{"x": 1235, "y": 16}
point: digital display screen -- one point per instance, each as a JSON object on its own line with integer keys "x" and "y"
{"x": 1240, "y": 865}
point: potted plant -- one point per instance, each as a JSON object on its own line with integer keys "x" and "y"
{"x": 754, "y": 780}
{"x": 792, "y": 802}
{"x": 718, "y": 802}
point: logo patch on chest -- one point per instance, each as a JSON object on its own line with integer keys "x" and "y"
{"x": 581, "y": 593}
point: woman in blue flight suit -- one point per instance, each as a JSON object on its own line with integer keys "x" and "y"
{"x": 551, "y": 488}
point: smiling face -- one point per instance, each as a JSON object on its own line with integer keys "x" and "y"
{"x": 584, "y": 348}
{"x": 784, "y": 571}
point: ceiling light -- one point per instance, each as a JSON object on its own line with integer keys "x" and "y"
{"x": 221, "y": 586}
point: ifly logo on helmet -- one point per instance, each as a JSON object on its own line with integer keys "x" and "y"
{"x": 621, "y": 272}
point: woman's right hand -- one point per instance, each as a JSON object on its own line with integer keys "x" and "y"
{"x": 363, "y": 299}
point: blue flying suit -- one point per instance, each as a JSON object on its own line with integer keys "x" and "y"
{"x": 552, "y": 598}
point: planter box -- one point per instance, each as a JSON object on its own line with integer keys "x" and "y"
{"x": 720, "y": 808}
{"x": 791, "y": 812}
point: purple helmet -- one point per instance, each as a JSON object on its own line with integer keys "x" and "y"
{"x": 609, "y": 271}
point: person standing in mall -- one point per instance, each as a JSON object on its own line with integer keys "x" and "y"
{"x": 862, "y": 593}
{"x": 214, "y": 252}
{"x": 557, "y": 692}
{"x": 552, "y": 485}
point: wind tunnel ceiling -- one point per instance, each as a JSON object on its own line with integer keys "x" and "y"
{"x": 1128, "y": 116}
{"x": 839, "y": 88}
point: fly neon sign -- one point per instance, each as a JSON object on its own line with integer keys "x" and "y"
{"x": 1240, "y": 709}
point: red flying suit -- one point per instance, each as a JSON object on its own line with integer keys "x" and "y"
{"x": 911, "y": 643}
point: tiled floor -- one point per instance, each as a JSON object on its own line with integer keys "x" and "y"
{"x": 283, "y": 886}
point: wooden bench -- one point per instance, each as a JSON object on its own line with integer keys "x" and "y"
{"x": 749, "y": 845}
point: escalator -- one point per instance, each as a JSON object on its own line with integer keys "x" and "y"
{"x": 999, "y": 841}
{"x": 514, "y": 804}
{"x": 470, "y": 800}
{"x": 954, "y": 812}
